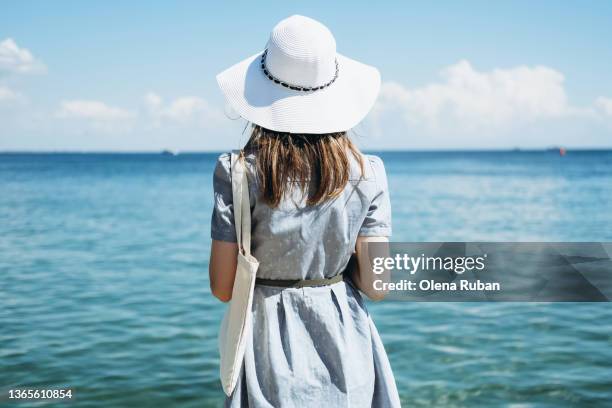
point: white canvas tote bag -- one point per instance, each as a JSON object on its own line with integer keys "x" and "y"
{"x": 237, "y": 322}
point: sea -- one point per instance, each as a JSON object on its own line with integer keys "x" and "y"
{"x": 104, "y": 280}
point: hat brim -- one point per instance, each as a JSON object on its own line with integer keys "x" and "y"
{"x": 338, "y": 107}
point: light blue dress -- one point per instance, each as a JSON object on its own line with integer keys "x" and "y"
{"x": 314, "y": 346}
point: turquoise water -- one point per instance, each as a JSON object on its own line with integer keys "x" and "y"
{"x": 104, "y": 286}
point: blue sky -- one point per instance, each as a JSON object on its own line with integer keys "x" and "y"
{"x": 140, "y": 75}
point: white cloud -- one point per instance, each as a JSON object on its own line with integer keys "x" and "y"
{"x": 153, "y": 101}
{"x": 182, "y": 110}
{"x": 470, "y": 99}
{"x": 604, "y": 105}
{"x": 92, "y": 110}
{"x": 185, "y": 108}
{"x": 14, "y": 59}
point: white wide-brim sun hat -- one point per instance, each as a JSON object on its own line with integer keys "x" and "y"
{"x": 299, "y": 83}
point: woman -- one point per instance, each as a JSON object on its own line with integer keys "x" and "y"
{"x": 315, "y": 199}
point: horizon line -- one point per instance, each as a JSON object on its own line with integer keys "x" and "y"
{"x": 408, "y": 150}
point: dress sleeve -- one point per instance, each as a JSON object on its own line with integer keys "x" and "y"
{"x": 222, "y": 224}
{"x": 377, "y": 222}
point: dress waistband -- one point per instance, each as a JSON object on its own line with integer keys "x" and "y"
{"x": 299, "y": 283}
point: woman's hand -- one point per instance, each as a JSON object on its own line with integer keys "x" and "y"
{"x": 222, "y": 269}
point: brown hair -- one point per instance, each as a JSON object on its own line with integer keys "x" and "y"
{"x": 318, "y": 163}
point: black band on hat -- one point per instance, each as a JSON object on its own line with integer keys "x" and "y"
{"x": 294, "y": 87}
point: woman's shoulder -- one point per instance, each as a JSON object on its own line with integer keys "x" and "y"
{"x": 373, "y": 167}
{"x": 225, "y": 158}
{"x": 223, "y": 165}
{"x": 375, "y": 161}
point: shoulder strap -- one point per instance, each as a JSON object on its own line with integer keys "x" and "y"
{"x": 241, "y": 203}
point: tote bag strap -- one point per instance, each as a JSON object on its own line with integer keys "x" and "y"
{"x": 241, "y": 202}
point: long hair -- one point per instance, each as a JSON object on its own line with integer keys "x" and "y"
{"x": 319, "y": 164}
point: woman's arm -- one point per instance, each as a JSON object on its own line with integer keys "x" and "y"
{"x": 222, "y": 269}
{"x": 362, "y": 274}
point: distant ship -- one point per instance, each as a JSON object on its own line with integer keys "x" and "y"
{"x": 170, "y": 152}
